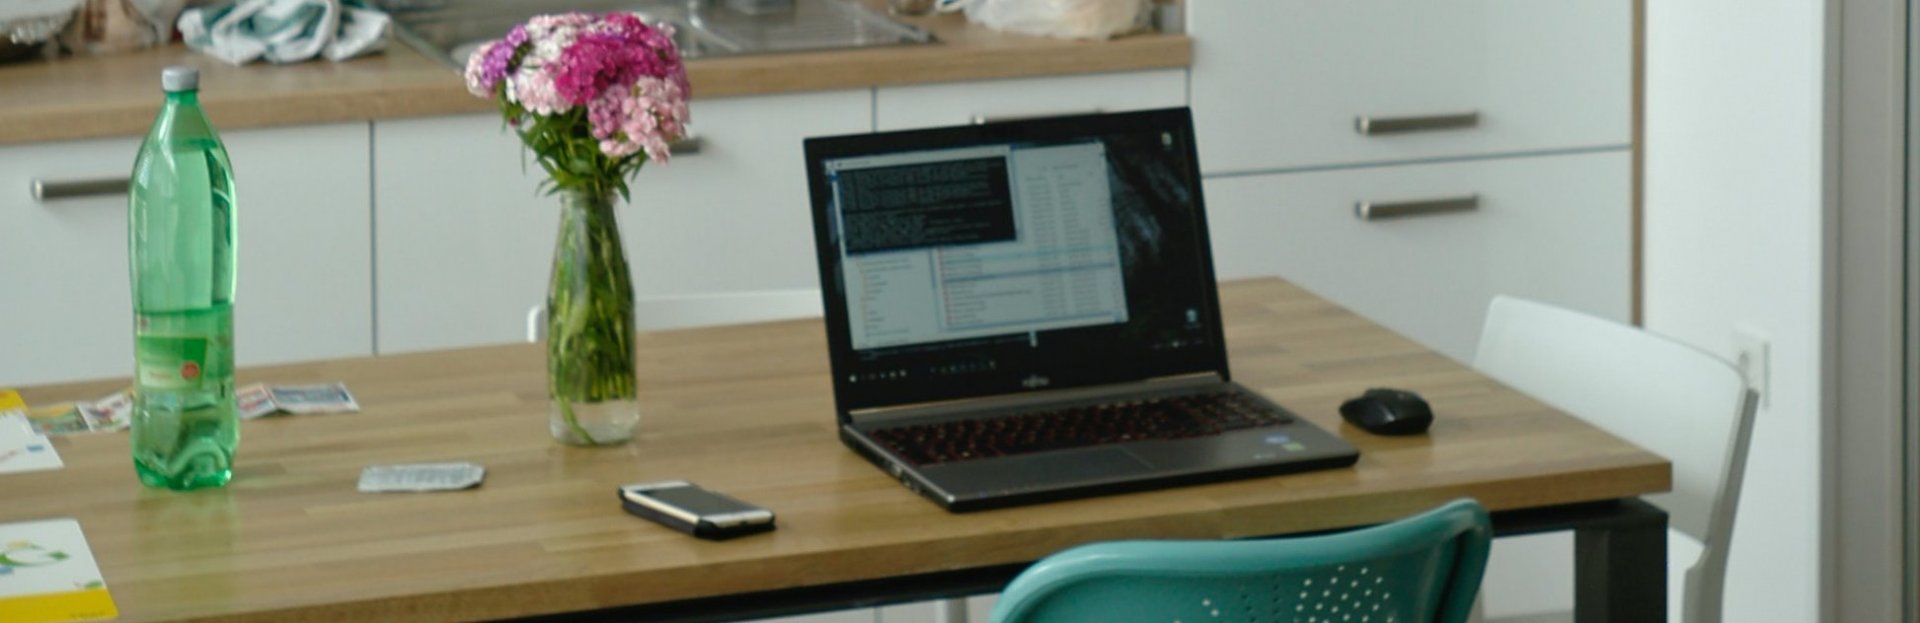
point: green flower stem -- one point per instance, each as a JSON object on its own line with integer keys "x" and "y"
{"x": 573, "y": 421}
{"x": 589, "y": 310}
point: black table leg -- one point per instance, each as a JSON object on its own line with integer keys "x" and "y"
{"x": 1619, "y": 556}
{"x": 1620, "y": 569}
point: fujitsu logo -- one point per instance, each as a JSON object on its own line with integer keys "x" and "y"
{"x": 1035, "y": 381}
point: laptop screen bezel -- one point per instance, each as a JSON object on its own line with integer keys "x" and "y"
{"x": 821, "y": 150}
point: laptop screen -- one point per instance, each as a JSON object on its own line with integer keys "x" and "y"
{"x": 993, "y": 259}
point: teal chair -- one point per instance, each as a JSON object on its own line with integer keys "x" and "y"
{"x": 1420, "y": 569}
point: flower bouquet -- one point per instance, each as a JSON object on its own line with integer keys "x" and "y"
{"x": 594, "y": 97}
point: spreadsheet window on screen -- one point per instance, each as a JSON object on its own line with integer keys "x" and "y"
{"x": 971, "y": 242}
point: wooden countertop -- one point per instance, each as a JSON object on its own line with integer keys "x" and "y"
{"x": 89, "y": 97}
{"x": 746, "y": 410}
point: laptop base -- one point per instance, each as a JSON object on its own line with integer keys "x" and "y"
{"x": 1096, "y": 471}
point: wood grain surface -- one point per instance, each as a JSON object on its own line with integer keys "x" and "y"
{"x": 118, "y": 95}
{"x": 745, "y": 410}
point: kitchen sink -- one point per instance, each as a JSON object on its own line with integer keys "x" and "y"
{"x": 449, "y": 30}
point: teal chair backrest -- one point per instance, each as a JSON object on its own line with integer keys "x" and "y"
{"x": 1421, "y": 569}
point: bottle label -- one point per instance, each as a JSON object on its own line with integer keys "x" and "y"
{"x": 170, "y": 362}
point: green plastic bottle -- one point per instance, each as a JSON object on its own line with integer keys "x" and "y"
{"x": 181, "y": 244}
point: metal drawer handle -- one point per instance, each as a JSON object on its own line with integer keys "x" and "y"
{"x": 687, "y": 146}
{"x": 1374, "y": 211}
{"x": 986, "y": 119}
{"x": 45, "y": 190}
{"x": 1375, "y": 126}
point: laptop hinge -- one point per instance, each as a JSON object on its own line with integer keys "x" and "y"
{"x": 1195, "y": 380}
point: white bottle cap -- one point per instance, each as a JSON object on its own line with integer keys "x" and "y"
{"x": 179, "y": 78}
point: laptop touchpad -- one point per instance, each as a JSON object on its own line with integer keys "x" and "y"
{"x": 1022, "y": 472}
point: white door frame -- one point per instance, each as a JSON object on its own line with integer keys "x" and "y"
{"x": 1867, "y": 545}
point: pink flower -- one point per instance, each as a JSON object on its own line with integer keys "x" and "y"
{"x": 595, "y": 63}
{"x": 644, "y": 117}
{"x": 532, "y": 88}
{"x": 613, "y": 52}
{"x": 626, "y": 74}
{"x": 557, "y": 29}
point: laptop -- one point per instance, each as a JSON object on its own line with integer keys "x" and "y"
{"x": 1025, "y": 312}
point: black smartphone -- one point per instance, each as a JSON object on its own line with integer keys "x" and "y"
{"x": 686, "y": 507}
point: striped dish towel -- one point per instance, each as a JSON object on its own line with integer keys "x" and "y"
{"x": 286, "y": 31}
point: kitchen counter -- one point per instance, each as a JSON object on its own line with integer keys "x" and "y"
{"x": 91, "y": 97}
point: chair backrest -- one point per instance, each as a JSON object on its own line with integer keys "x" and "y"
{"x": 1680, "y": 402}
{"x": 660, "y": 313}
{"x": 1420, "y": 569}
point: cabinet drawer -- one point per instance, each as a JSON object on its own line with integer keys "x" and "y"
{"x": 466, "y": 241}
{"x": 1280, "y": 84}
{"x": 304, "y": 287}
{"x": 1551, "y": 228}
{"x": 935, "y": 105}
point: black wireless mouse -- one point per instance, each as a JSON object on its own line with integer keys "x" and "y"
{"x": 1388, "y": 412}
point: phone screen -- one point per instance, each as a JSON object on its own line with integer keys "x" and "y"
{"x": 698, "y": 501}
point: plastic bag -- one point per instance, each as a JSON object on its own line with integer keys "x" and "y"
{"x": 114, "y": 26}
{"x": 1067, "y": 19}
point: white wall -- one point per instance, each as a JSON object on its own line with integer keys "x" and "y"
{"x": 1732, "y": 240}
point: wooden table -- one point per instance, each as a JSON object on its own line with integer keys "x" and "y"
{"x": 747, "y": 410}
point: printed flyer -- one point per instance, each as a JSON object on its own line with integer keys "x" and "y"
{"x": 48, "y": 575}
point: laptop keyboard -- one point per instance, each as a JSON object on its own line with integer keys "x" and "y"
{"x": 1170, "y": 417}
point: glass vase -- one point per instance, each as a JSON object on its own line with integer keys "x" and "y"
{"x": 590, "y": 358}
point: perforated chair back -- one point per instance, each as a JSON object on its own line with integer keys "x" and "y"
{"x": 1421, "y": 569}
{"x": 1682, "y": 403}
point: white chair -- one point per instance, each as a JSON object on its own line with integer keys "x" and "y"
{"x": 1682, "y": 403}
{"x": 660, "y": 313}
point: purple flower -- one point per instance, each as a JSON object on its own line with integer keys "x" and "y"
{"x": 487, "y": 66}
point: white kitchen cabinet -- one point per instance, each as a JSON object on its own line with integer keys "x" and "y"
{"x": 917, "y": 612}
{"x": 960, "y": 103}
{"x": 861, "y": 615}
{"x": 980, "y": 607}
{"x": 979, "y": 610}
{"x": 1553, "y": 228}
{"x": 304, "y": 289}
{"x": 1278, "y": 84}
{"x": 465, "y": 242}
{"x": 306, "y": 243}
